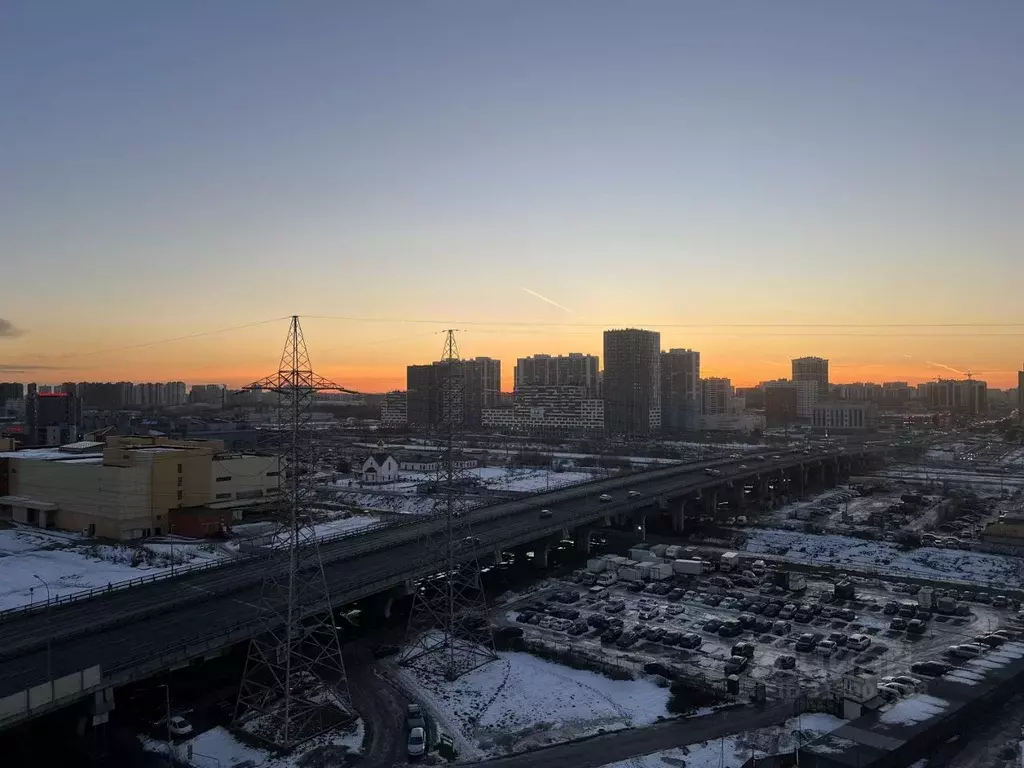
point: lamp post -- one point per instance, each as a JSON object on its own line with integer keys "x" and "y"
{"x": 49, "y": 632}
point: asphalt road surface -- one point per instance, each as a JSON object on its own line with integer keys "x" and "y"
{"x": 623, "y": 745}
{"x": 119, "y": 630}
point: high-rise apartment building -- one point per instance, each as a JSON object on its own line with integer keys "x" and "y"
{"x": 11, "y": 391}
{"x": 680, "y": 390}
{"x": 549, "y": 410}
{"x": 176, "y": 393}
{"x": 968, "y": 396}
{"x": 1020, "y": 395}
{"x": 806, "y": 395}
{"x": 813, "y": 369}
{"x": 53, "y": 418}
{"x": 632, "y": 381}
{"x": 394, "y": 409}
{"x": 209, "y": 394}
{"x": 573, "y": 370}
{"x": 479, "y": 387}
{"x": 716, "y": 397}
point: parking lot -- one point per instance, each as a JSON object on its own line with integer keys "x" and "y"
{"x": 781, "y": 638}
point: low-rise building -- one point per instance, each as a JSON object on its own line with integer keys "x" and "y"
{"x": 549, "y": 410}
{"x": 125, "y": 488}
{"x": 733, "y": 422}
{"x": 429, "y": 463}
{"x": 844, "y": 416}
{"x": 379, "y": 468}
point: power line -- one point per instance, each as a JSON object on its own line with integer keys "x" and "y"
{"x": 546, "y": 324}
{"x": 154, "y": 343}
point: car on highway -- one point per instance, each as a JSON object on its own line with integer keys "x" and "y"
{"x": 545, "y": 513}
{"x": 605, "y": 497}
{"x": 416, "y": 746}
{"x": 713, "y": 472}
{"x": 633, "y": 494}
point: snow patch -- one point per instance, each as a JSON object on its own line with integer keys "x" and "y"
{"x": 913, "y": 710}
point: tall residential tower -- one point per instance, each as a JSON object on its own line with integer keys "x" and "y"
{"x": 632, "y": 382}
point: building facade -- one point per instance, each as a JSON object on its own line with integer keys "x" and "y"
{"x": 125, "y": 488}
{"x": 680, "y": 390}
{"x": 394, "y": 410}
{"x": 1020, "y": 395}
{"x": 53, "y": 418}
{"x": 813, "y": 369}
{"x": 806, "y": 395}
{"x": 478, "y": 386}
{"x": 715, "y": 396}
{"x": 844, "y": 416}
{"x": 966, "y": 396}
{"x": 11, "y": 391}
{"x": 780, "y": 406}
{"x": 573, "y": 370}
{"x": 632, "y": 382}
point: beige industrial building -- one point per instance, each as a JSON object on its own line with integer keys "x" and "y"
{"x": 125, "y": 488}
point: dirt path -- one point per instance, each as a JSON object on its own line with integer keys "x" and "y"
{"x": 381, "y": 706}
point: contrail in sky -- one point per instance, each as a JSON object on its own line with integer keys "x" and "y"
{"x": 549, "y": 301}
{"x": 947, "y": 367}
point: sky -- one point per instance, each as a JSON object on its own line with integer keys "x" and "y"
{"x": 758, "y": 181}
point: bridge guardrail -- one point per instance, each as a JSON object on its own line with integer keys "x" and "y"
{"x": 42, "y": 606}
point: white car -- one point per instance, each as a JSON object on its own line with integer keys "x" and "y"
{"x": 605, "y": 497}
{"x": 179, "y": 726}
{"x": 417, "y": 744}
{"x": 634, "y": 494}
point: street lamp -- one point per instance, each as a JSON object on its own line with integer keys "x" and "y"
{"x": 49, "y": 630}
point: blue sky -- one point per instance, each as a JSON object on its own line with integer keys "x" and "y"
{"x": 199, "y": 165}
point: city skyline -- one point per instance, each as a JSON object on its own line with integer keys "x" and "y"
{"x": 179, "y": 169}
{"x": 840, "y": 373}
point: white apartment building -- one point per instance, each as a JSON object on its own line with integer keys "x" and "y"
{"x": 555, "y": 410}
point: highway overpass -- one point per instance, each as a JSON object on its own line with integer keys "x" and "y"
{"x": 49, "y": 659}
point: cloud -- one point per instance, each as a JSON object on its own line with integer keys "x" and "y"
{"x": 8, "y": 331}
{"x": 27, "y": 367}
{"x": 947, "y": 367}
{"x": 549, "y": 301}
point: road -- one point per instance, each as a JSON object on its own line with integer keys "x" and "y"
{"x": 121, "y": 630}
{"x": 623, "y": 745}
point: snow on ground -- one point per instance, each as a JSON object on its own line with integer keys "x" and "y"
{"x": 926, "y": 561}
{"x": 520, "y": 702}
{"x": 913, "y": 710}
{"x": 69, "y": 563}
{"x": 400, "y": 504}
{"x": 733, "y": 751}
{"x": 219, "y": 747}
{"x": 535, "y": 480}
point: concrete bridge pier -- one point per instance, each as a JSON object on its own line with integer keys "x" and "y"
{"x": 385, "y": 601}
{"x": 582, "y": 539}
{"x": 679, "y": 516}
{"x": 710, "y": 500}
{"x": 739, "y": 499}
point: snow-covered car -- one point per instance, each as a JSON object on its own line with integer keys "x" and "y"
{"x": 179, "y": 726}
{"x": 605, "y": 497}
{"x": 417, "y": 744}
{"x": 545, "y": 513}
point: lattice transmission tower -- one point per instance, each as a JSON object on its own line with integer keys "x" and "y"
{"x": 449, "y": 631}
{"x": 294, "y": 686}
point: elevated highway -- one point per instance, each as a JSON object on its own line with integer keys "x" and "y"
{"x": 132, "y": 634}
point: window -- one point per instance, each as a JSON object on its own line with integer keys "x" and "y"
{"x": 273, "y": 474}
{"x": 179, "y": 495}
{"x": 223, "y": 496}
{"x": 179, "y": 482}
{"x": 156, "y": 531}
{"x": 223, "y": 479}
{"x": 179, "y": 469}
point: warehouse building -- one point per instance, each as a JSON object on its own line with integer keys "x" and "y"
{"x": 126, "y": 487}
